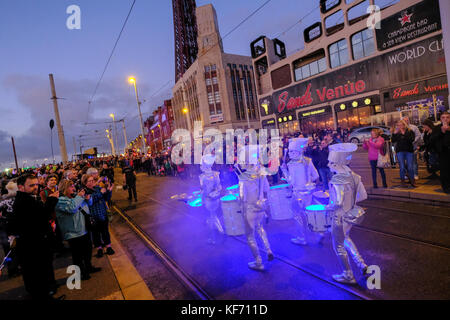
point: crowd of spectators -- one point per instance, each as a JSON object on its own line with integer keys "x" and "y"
{"x": 45, "y": 207}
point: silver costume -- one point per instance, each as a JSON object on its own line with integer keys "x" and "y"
{"x": 346, "y": 189}
{"x": 301, "y": 175}
{"x": 211, "y": 188}
{"x": 252, "y": 189}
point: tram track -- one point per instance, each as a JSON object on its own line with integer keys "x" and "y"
{"x": 202, "y": 294}
{"x": 190, "y": 282}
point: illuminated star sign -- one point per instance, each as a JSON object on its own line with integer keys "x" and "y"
{"x": 405, "y": 18}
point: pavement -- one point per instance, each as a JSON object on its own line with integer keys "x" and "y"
{"x": 427, "y": 191}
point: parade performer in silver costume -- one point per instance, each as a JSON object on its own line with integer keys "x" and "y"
{"x": 301, "y": 175}
{"x": 346, "y": 189}
{"x": 210, "y": 190}
{"x": 253, "y": 189}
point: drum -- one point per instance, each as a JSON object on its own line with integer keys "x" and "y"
{"x": 321, "y": 197}
{"x": 319, "y": 219}
{"x": 233, "y": 218}
{"x": 280, "y": 198}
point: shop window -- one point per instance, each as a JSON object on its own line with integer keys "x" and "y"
{"x": 281, "y": 77}
{"x": 363, "y": 44}
{"x": 358, "y": 12}
{"x": 334, "y": 22}
{"x": 338, "y": 53}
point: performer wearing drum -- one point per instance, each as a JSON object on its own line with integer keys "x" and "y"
{"x": 211, "y": 188}
{"x": 346, "y": 189}
{"x": 253, "y": 188}
{"x": 301, "y": 175}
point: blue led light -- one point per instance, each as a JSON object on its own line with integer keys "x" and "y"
{"x": 279, "y": 186}
{"x": 195, "y": 203}
{"x": 316, "y": 207}
{"x": 230, "y": 197}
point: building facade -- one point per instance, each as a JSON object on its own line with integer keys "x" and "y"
{"x": 185, "y": 35}
{"x": 218, "y": 89}
{"x": 352, "y": 75}
{"x": 159, "y": 128}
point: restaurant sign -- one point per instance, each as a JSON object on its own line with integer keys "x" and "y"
{"x": 423, "y": 87}
{"x": 411, "y": 23}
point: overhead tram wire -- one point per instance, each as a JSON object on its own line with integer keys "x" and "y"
{"x": 298, "y": 22}
{"x": 108, "y": 61}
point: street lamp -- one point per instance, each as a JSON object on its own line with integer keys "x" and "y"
{"x": 133, "y": 81}
{"x": 111, "y": 141}
{"x": 115, "y": 128}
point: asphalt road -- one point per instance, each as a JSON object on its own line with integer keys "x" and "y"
{"x": 410, "y": 244}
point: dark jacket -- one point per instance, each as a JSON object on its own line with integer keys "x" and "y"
{"x": 30, "y": 219}
{"x": 320, "y": 157}
{"x": 109, "y": 173}
{"x": 441, "y": 141}
{"x": 404, "y": 142}
{"x": 98, "y": 208}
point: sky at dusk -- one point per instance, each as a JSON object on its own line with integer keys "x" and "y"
{"x": 35, "y": 42}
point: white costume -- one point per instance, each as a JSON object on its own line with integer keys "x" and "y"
{"x": 346, "y": 189}
{"x": 211, "y": 188}
{"x": 252, "y": 189}
{"x": 300, "y": 174}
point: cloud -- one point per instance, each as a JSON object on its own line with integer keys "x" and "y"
{"x": 33, "y": 96}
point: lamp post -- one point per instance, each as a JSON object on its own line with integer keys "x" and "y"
{"x": 115, "y": 130}
{"x": 111, "y": 141}
{"x": 133, "y": 81}
{"x": 186, "y": 109}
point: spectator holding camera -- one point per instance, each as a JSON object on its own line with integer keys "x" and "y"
{"x": 374, "y": 146}
{"x": 99, "y": 212}
{"x": 70, "y": 212}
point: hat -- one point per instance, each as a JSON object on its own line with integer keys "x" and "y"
{"x": 341, "y": 153}
{"x": 297, "y": 144}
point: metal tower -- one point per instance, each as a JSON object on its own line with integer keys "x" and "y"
{"x": 185, "y": 28}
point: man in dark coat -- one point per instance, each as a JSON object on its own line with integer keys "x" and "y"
{"x": 441, "y": 140}
{"x": 29, "y": 224}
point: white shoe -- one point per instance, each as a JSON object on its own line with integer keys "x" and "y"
{"x": 256, "y": 266}
{"x": 344, "y": 278}
{"x": 299, "y": 241}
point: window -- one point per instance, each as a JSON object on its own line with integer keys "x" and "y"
{"x": 358, "y": 12}
{"x": 214, "y": 80}
{"x": 213, "y": 67}
{"x": 208, "y": 82}
{"x": 210, "y": 98}
{"x": 334, "y": 22}
{"x": 385, "y": 3}
{"x": 217, "y": 96}
{"x": 338, "y": 53}
{"x": 310, "y": 69}
{"x": 327, "y": 5}
{"x": 363, "y": 44}
{"x": 207, "y": 68}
